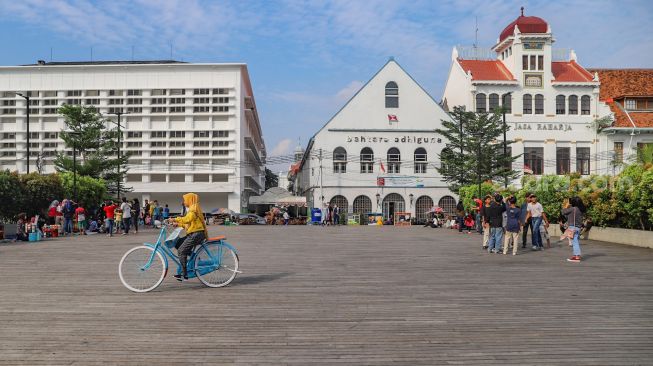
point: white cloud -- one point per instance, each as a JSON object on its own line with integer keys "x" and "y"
{"x": 348, "y": 91}
{"x": 282, "y": 148}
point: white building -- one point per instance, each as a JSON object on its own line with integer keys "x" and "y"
{"x": 552, "y": 100}
{"x": 189, "y": 127}
{"x": 379, "y": 152}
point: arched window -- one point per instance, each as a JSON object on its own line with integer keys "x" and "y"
{"x": 391, "y": 95}
{"x": 340, "y": 160}
{"x": 506, "y": 101}
{"x": 362, "y": 205}
{"x": 494, "y": 102}
{"x": 539, "y": 104}
{"x": 528, "y": 104}
{"x": 573, "y": 104}
{"x": 343, "y": 208}
{"x": 367, "y": 160}
{"x": 480, "y": 103}
{"x": 448, "y": 205}
{"x": 585, "y": 105}
{"x": 394, "y": 161}
{"x": 420, "y": 160}
{"x": 560, "y": 104}
{"x": 423, "y": 206}
{"x": 393, "y": 203}
{"x": 446, "y": 155}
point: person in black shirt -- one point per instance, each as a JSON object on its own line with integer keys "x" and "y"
{"x": 495, "y": 218}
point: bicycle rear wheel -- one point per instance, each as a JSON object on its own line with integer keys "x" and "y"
{"x": 140, "y": 274}
{"x": 216, "y": 265}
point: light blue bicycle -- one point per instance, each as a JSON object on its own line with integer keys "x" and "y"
{"x": 143, "y": 268}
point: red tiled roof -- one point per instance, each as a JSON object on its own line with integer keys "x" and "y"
{"x": 640, "y": 119}
{"x": 570, "y": 71}
{"x": 617, "y": 83}
{"x": 624, "y": 82}
{"x": 526, "y": 25}
{"x": 486, "y": 69}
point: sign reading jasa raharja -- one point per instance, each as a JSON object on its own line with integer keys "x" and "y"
{"x": 543, "y": 126}
{"x": 380, "y": 152}
{"x": 399, "y": 139}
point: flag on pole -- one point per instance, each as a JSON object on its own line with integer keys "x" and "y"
{"x": 392, "y": 118}
{"x": 382, "y": 167}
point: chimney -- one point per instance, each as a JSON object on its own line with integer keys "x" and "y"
{"x": 41, "y": 62}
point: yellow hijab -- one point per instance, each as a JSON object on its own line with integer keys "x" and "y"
{"x": 192, "y": 201}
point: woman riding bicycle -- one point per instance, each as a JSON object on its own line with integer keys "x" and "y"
{"x": 196, "y": 233}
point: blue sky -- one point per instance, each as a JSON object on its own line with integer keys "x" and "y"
{"x": 306, "y": 58}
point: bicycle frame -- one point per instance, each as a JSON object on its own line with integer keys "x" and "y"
{"x": 212, "y": 265}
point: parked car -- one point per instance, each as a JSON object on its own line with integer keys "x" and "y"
{"x": 250, "y": 219}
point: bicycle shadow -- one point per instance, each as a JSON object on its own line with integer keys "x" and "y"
{"x": 238, "y": 281}
{"x": 256, "y": 279}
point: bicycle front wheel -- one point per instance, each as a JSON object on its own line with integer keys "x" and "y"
{"x": 142, "y": 269}
{"x": 216, "y": 265}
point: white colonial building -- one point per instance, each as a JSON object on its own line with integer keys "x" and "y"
{"x": 188, "y": 127}
{"x": 551, "y": 99}
{"x": 378, "y": 153}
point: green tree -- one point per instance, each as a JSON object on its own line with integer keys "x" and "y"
{"x": 96, "y": 144}
{"x": 39, "y": 191}
{"x": 473, "y": 152}
{"x": 271, "y": 179}
{"x": 11, "y": 195}
{"x": 90, "y": 191}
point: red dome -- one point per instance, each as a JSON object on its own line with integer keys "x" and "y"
{"x": 526, "y": 25}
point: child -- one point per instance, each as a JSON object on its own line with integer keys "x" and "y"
{"x": 469, "y": 223}
{"x": 513, "y": 224}
{"x": 544, "y": 230}
{"x": 118, "y": 220}
{"x": 81, "y": 219}
{"x": 196, "y": 233}
{"x": 166, "y": 212}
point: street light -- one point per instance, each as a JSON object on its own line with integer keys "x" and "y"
{"x": 505, "y": 127}
{"x": 26, "y": 97}
{"x": 119, "y": 114}
{"x": 75, "y": 165}
{"x": 478, "y": 135}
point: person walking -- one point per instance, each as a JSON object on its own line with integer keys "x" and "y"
{"x": 336, "y": 215}
{"x": 166, "y": 212}
{"x": 573, "y": 211}
{"x": 513, "y": 224}
{"x": 485, "y": 222}
{"x": 286, "y": 218}
{"x": 495, "y": 217}
{"x": 537, "y": 215}
{"x": 80, "y": 212}
{"x": 460, "y": 215}
{"x": 478, "y": 205}
{"x": 136, "y": 214}
{"x": 526, "y": 224}
{"x": 68, "y": 213}
{"x": 126, "y": 215}
{"x": 110, "y": 213}
{"x": 146, "y": 213}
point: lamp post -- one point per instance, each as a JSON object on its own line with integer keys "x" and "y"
{"x": 26, "y": 97}
{"x": 74, "y": 165}
{"x": 478, "y": 135}
{"x": 505, "y": 127}
{"x": 119, "y": 114}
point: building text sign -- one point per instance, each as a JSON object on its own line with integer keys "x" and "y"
{"x": 399, "y": 139}
{"x": 543, "y": 126}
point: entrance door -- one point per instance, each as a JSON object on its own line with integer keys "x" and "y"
{"x": 392, "y": 203}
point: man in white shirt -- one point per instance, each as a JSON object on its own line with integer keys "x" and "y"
{"x": 126, "y": 215}
{"x": 536, "y": 214}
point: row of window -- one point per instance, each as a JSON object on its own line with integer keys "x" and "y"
{"x": 393, "y": 157}
{"x": 183, "y": 153}
{"x": 161, "y": 178}
{"x": 32, "y": 135}
{"x": 111, "y": 93}
{"x": 178, "y": 134}
{"x": 134, "y": 144}
{"x": 534, "y": 159}
{"x": 492, "y": 103}
{"x": 532, "y": 62}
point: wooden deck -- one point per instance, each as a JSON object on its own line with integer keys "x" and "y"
{"x": 312, "y": 295}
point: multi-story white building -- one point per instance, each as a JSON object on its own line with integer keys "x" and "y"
{"x": 188, "y": 127}
{"x": 379, "y": 153}
{"x": 552, "y": 100}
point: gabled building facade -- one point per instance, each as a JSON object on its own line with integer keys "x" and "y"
{"x": 551, "y": 100}
{"x": 378, "y": 153}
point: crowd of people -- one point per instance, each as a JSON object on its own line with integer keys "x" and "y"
{"x": 503, "y": 222}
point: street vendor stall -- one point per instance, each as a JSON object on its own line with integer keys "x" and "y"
{"x": 277, "y": 200}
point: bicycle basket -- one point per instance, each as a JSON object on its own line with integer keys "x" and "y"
{"x": 170, "y": 239}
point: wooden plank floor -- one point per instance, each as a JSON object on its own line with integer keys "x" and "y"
{"x": 349, "y": 295}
